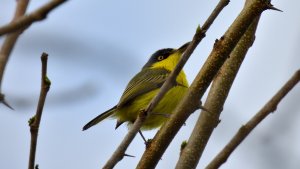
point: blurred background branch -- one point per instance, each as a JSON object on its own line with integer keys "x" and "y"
{"x": 9, "y": 43}
{"x": 23, "y": 22}
{"x": 13, "y": 30}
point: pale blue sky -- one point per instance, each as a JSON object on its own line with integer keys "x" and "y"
{"x": 95, "y": 47}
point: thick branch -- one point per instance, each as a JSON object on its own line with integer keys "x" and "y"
{"x": 8, "y": 45}
{"x": 190, "y": 102}
{"x": 199, "y": 35}
{"x": 244, "y": 131}
{"x": 216, "y": 98}
{"x": 34, "y": 122}
{"x": 27, "y": 20}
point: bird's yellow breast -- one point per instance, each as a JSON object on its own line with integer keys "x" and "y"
{"x": 160, "y": 112}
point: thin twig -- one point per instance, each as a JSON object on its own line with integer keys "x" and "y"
{"x": 34, "y": 122}
{"x": 3, "y": 101}
{"x": 190, "y": 102}
{"x": 199, "y": 35}
{"x": 37, "y": 15}
{"x": 244, "y": 131}
{"x": 8, "y": 45}
{"x": 120, "y": 151}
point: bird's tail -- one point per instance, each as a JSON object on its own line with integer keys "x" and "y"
{"x": 99, "y": 118}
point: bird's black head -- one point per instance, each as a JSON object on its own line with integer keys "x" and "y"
{"x": 158, "y": 56}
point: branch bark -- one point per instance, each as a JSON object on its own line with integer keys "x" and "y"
{"x": 216, "y": 98}
{"x": 34, "y": 122}
{"x": 9, "y": 43}
{"x": 199, "y": 35}
{"x": 190, "y": 102}
{"x": 244, "y": 131}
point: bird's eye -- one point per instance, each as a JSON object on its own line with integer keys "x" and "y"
{"x": 160, "y": 58}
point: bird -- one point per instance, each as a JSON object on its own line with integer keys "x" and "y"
{"x": 144, "y": 86}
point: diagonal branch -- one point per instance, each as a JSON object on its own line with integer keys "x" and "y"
{"x": 216, "y": 98}
{"x": 190, "y": 102}
{"x": 8, "y": 45}
{"x": 16, "y": 27}
{"x": 199, "y": 35}
{"x": 27, "y": 20}
{"x": 244, "y": 131}
{"x": 34, "y": 122}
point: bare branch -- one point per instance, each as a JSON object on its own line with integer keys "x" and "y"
{"x": 199, "y": 35}
{"x": 27, "y": 20}
{"x": 16, "y": 27}
{"x": 8, "y": 45}
{"x": 244, "y": 131}
{"x": 34, "y": 122}
{"x": 216, "y": 98}
{"x": 120, "y": 151}
{"x": 190, "y": 102}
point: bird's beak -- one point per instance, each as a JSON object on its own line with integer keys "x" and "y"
{"x": 183, "y": 47}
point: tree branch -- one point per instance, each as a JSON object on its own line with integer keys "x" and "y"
{"x": 120, "y": 151}
{"x": 15, "y": 28}
{"x": 190, "y": 102}
{"x": 8, "y": 45}
{"x": 199, "y": 35}
{"x": 244, "y": 131}
{"x": 34, "y": 122}
{"x": 216, "y": 98}
{"x": 27, "y": 20}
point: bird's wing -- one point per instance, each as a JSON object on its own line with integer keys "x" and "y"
{"x": 143, "y": 82}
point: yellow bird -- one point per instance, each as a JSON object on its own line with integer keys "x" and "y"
{"x": 144, "y": 86}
